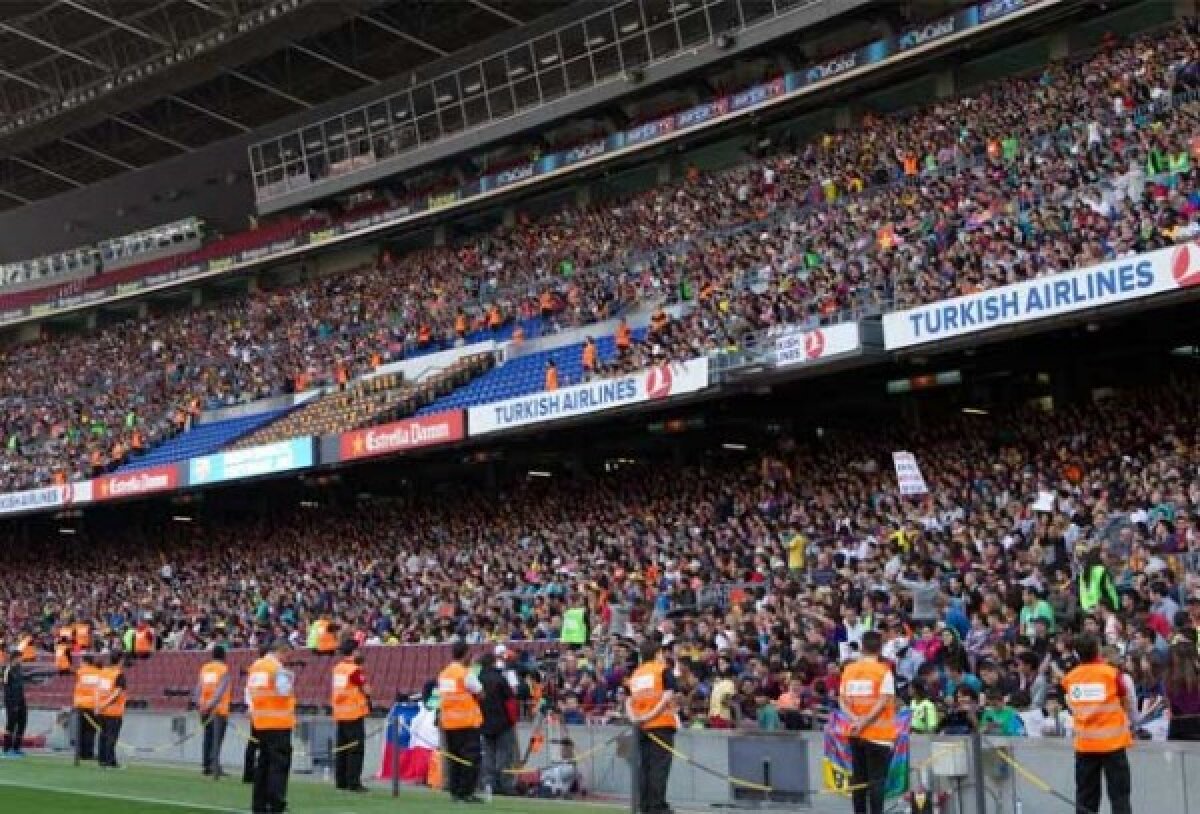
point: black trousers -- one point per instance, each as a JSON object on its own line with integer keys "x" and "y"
{"x": 250, "y": 762}
{"x": 465, "y": 744}
{"x": 110, "y": 733}
{"x": 17, "y": 718}
{"x": 871, "y": 762}
{"x": 655, "y": 762}
{"x": 348, "y": 754}
{"x": 214, "y": 739}
{"x": 271, "y": 770}
{"x": 1114, "y": 767}
{"x": 85, "y": 736}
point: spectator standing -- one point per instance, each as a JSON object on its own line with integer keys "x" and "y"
{"x": 1183, "y": 692}
{"x": 499, "y": 705}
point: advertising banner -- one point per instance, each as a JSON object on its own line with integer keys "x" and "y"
{"x": 1110, "y": 283}
{"x": 797, "y": 346}
{"x": 412, "y": 433}
{"x": 282, "y": 456}
{"x": 48, "y": 497}
{"x": 656, "y": 384}
{"x": 139, "y": 482}
{"x": 930, "y": 32}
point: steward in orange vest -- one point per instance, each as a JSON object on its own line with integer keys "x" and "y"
{"x": 351, "y": 703}
{"x": 326, "y": 643}
{"x": 62, "y": 656}
{"x": 110, "y": 709}
{"x": 651, "y": 709}
{"x": 213, "y": 693}
{"x": 271, "y": 700}
{"x": 460, "y": 719}
{"x": 868, "y": 699}
{"x": 87, "y": 682}
{"x": 1102, "y": 709}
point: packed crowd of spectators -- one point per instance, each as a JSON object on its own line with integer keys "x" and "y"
{"x": 1031, "y": 176}
{"x": 761, "y": 570}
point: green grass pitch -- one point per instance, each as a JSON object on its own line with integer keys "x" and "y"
{"x": 47, "y": 785}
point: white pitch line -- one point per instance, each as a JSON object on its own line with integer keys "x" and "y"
{"x": 126, "y": 797}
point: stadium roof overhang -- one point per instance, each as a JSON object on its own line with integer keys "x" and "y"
{"x": 90, "y": 89}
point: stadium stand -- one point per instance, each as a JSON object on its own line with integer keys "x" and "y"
{"x": 766, "y": 568}
{"x": 204, "y": 439}
{"x": 898, "y": 211}
{"x": 370, "y": 401}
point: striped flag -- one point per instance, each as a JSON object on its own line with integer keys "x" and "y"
{"x": 837, "y": 767}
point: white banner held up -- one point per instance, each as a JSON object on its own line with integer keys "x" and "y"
{"x": 912, "y": 482}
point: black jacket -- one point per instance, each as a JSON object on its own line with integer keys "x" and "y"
{"x": 13, "y": 676}
{"x": 496, "y": 694}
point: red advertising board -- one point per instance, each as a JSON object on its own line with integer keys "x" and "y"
{"x": 412, "y": 433}
{"x": 141, "y": 482}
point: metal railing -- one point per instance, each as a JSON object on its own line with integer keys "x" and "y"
{"x": 606, "y": 45}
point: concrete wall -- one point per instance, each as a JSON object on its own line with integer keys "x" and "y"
{"x": 1160, "y": 770}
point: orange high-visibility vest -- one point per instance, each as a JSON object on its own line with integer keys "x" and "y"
{"x": 460, "y": 324}
{"x": 862, "y": 686}
{"x": 28, "y": 649}
{"x": 460, "y": 710}
{"x": 87, "y": 684}
{"x": 589, "y": 356}
{"x": 551, "y": 378}
{"x": 1101, "y": 724}
{"x": 348, "y": 701}
{"x": 646, "y": 689}
{"x": 83, "y": 635}
{"x": 211, "y": 676}
{"x": 269, "y": 709}
{"x": 62, "y": 657}
{"x": 326, "y": 640}
{"x": 143, "y": 641}
{"x": 107, "y": 688}
{"x": 623, "y": 336}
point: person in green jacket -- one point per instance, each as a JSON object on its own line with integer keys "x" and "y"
{"x": 1096, "y": 584}
{"x": 924, "y": 712}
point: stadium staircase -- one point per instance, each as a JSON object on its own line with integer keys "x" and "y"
{"x": 203, "y": 439}
{"x": 374, "y": 400}
{"x": 164, "y": 682}
{"x": 526, "y": 374}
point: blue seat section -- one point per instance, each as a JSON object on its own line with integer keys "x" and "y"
{"x": 203, "y": 440}
{"x": 533, "y": 328}
{"x": 526, "y": 374}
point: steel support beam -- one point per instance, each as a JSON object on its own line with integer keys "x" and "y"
{"x": 217, "y": 10}
{"x": 14, "y": 196}
{"x": 34, "y": 38}
{"x": 27, "y": 82}
{"x": 115, "y": 23}
{"x": 490, "y": 9}
{"x": 333, "y": 62}
{"x": 212, "y": 114}
{"x": 269, "y": 88}
{"x": 33, "y": 165}
{"x": 179, "y": 145}
{"x": 92, "y": 151}
{"x": 404, "y": 35}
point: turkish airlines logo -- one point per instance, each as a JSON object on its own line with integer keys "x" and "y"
{"x": 1185, "y": 265}
{"x": 814, "y": 344}
{"x": 659, "y": 382}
